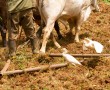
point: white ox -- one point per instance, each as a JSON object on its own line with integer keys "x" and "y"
{"x": 73, "y": 11}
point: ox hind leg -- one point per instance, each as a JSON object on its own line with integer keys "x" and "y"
{"x": 84, "y": 15}
{"x": 77, "y": 29}
{"x": 39, "y": 33}
{"x": 74, "y": 23}
{"x": 56, "y": 26}
{"x": 78, "y": 23}
{"x": 47, "y": 31}
{"x": 71, "y": 25}
{"x": 55, "y": 42}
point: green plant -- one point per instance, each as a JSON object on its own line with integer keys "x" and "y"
{"x": 107, "y": 1}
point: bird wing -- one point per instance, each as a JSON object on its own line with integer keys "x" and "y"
{"x": 98, "y": 47}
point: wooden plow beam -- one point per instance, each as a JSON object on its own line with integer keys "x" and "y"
{"x": 80, "y": 55}
{"x": 40, "y": 68}
{"x": 6, "y": 66}
{"x": 46, "y": 67}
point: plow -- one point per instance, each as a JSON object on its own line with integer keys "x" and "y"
{"x": 5, "y": 71}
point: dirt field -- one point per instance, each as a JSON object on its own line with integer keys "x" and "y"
{"x": 94, "y": 74}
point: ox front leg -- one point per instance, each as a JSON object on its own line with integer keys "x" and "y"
{"x": 77, "y": 29}
{"x": 47, "y": 31}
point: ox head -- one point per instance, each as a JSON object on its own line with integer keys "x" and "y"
{"x": 95, "y": 5}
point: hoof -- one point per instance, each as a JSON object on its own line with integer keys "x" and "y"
{"x": 60, "y": 37}
{"x": 77, "y": 41}
{"x": 44, "y": 58}
{"x": 42, "y": 53}
{"x": 12, "y": 55}
{"x": 35, "y": 52}
{"x": 4, "y": 43}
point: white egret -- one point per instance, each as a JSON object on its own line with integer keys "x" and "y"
{"x": 88, "y": 43}
{"x": 69, "y": 57}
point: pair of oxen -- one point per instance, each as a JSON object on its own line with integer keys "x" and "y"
{"x": 75, "y": 12}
